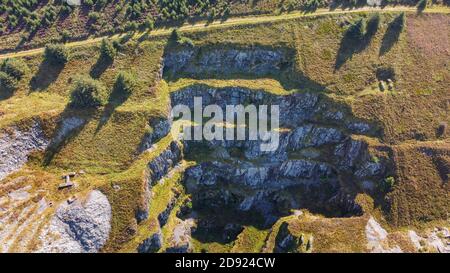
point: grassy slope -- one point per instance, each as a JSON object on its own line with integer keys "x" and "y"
{"x": 78, "y": 26}
{"x": 107, "y": 151}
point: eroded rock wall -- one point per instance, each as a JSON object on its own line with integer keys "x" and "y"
{"x": 17, "y": 143}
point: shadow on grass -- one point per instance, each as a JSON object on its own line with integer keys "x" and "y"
{"x": 47, "y": 74}
{"x": 116, "y": 99}
{"x": 70, "y": 124}
{"x": 391, "y": 36}
{"x": 350, "y": 46}
{"x": 100, "y": 67}
{"x": 6, "y": 93}
{"x": 284, "y": 71}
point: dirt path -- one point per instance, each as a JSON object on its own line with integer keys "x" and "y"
{"x": 233, "y": 22}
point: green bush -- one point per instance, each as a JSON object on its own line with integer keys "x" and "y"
{"x": 87, "y": 92}
{"x": 15, "y": 68}
{"x": 56, "y": 54}
{"x": 7, "y": 83}
{"x": 125, "y": 83}
{"x": 357, "y": 30}
{"x": 107, "y": 50}
{"x": 177, "y": 38}
{"x": 388, "y": 184}
{"x": 422, "y": 5}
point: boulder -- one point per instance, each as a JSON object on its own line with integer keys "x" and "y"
{"x": 78, "y": 227}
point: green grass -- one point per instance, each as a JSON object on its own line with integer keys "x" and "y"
{"x": 267, "y": 85}
{"x": 131, "y": 197}
{"x": 251, "y": 240}
{"x": 162, "y": 193}
{"x": 106, "y": 147}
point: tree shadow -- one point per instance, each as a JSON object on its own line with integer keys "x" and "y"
{"x": 350, "y": 46}
{"x": 100, "y": 66}
{"x": 345, "y": 4}
{"x": 285, "y": 71}
{"x": 116, "y": 99}
{"x": 47, "y": 74}
{"x": 6, "y": 93}
{"x": 70, "y": 124}
{"x": 391, "y": 36}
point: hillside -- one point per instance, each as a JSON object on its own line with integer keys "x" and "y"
{"x": 364, "y": 159}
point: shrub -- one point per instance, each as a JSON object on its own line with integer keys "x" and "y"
{"x": 7, "y": 83}
{"x": 180, "y": 40}
{"x": 65, "y": 36}
{"x": 15, "y": 68}
{"x": 125, "y": 83}
{"x": 94, "y": 16}
{"x": 87, "y": 92}
{"x": 148, "y": 24}
{"x": 56, "y": 54}
{"x": 422, "y": 5}
{"x": 107, "y": 50}
{"x": 357, "y": 30}
{"x": 388, "y": 184}
{"x": 175, "y": 35}
{"x": 442, "y": 129}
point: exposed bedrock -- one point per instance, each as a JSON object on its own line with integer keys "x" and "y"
{"x": 157, "y": 168}
{"x": 79, "y": 227}
{"x": 17, "y": 143}
{"x": 296, "y": 109}
{"x": 164, "y": 162}
{"x": 220, "y": 61}
{"x": 160, "y": 127}
{"x": 319, "y": 163}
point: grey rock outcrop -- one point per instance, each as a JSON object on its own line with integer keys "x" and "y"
{"x": 151, "y": 244}
{"x": 286, "y": 242}
{"x": 180, "y": 241}
{"x": 160, "y": 128}
{"x": 17, "y": 144}
{"x": 157, "y": 169}
{"x": 377, "y": 238}
{"x": 79, "y": 227}
{"x": 315, "y": 146}
{"x": 66, "y": 127}
{"x": 165, "y": 161}
{"x": 256, "y": 61}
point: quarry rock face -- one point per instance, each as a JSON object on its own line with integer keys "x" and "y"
{"x": 79, "y": 227}
{"x": 258, "y": 61}
{"x": 161, "y": 165}
{"x": 157, "y": 168}
{"x": 313, "y": 151}
{"x": 286, "y": 242}
{"x": 17, "y": 144}
{"x": 160, "y": 128}
{"x": 66, "y": 126}
{"x": 151, "y": 244}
